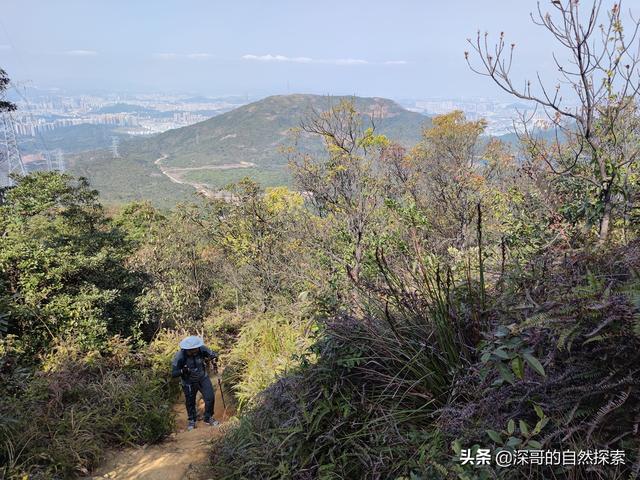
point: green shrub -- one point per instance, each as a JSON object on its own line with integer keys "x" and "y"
{"x": 57, "y": 421}
{"x": 62, "y": 266}
{"x": 563, "y": 371}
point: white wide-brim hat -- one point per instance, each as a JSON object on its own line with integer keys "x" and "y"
{"x": 191, "y": 342}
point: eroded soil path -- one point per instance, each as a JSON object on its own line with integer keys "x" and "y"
{"x": 184, "y": 455}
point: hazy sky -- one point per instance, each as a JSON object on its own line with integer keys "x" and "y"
{"x": 393, "y": 48}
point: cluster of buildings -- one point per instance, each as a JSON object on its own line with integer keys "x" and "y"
{"x": 500, "y": 116}
{"x": 130, "y": 114}
{"x": 188, "y": 118}
{"x": 30, "y": 126}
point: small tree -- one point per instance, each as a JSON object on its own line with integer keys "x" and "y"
{"x": 596, "y": 140}
{"x": 62, "y": 265}
{"x": 259, "y": 237}
{"x": 344, "y": 183}
{"x": 449, "y": 177}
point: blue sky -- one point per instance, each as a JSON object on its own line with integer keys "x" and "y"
{"x": 398, "y": 49}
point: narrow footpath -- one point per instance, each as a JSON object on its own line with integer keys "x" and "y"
{"x": 183, "y": 456}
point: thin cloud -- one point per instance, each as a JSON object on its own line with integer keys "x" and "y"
{"x": 277, "y": 58}
{"x": 177, "y": 56}
{"x": 81, "y": 53}
{"x": 165, "y": 56}
{"x": 199, "y": 56}
{"x": 346, "y": 61}
{"x": 324, "y": 61}
{"x": 284, "y": 58}
{"x": 5, "y": 47}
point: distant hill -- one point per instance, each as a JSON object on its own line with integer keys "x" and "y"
{"x": 255, "y": 132}
{"x": 245, "y": 141}
{"x": 546, "y": 134}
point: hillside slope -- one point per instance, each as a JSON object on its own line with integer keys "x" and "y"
{"x": 249, "y": 138}
{"x": 255, "y": 132}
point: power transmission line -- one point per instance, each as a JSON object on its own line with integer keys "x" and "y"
{"x": 46, "y": 153}
{"x": 32, "y": 122}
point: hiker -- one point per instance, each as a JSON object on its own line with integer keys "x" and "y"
{"x": 189, "y": 365}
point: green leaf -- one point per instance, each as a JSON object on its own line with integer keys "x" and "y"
{"x": 495, "y": 436}
{"x": 505, "y": 373}
{"x": 540, "y": 425}
{"x": 597, "y": 338}
{"x": 524, "y": 428}
{"x": 502, "y": 331}
{"x": 517, "y": 365}
{"x": 538, "y": 410}
{"x": 500, "y": 353}
{"x": 535, "y": 444}
{"x": 457, "y": 446}
{"x": 514, "y": 342}
{"x": 513, "y": 442}
{"x": 535, "y": 363}
{"x": 511, "y": 427}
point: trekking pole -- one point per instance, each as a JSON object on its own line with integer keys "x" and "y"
{"x": 215, "y": 371}
{"x": 222, "y": 394}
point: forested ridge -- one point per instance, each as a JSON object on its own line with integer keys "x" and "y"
{"x": 398, "y": 310}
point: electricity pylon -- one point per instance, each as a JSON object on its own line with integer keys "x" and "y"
{"x": 115, "y": 141}
{"x": 10, "y": 159}
{"x": 59, "y": 164}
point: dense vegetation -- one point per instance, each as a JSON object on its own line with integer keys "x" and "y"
{"x": 127, "y": 179}
{"x": 72, "y": 380}
{"x": 413, "y": 303}
{"x": 464, "y": 299}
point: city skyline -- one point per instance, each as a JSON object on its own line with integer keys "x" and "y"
{"x": 146, "y": 114}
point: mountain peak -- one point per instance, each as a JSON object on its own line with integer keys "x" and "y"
{"x": 377, "y": 106}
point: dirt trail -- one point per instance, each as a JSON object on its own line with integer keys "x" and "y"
{"x": 184, "y": 455}
{"x": 175, "y": 173}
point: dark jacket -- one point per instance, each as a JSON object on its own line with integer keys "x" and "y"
{"x": 196, "y": 364}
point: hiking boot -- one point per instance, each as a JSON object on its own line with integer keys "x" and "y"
{"x": 212, "y": 422}
{"x": 191, "y": 425}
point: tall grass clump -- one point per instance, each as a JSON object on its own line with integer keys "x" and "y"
{"x": 268, "y": 346}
